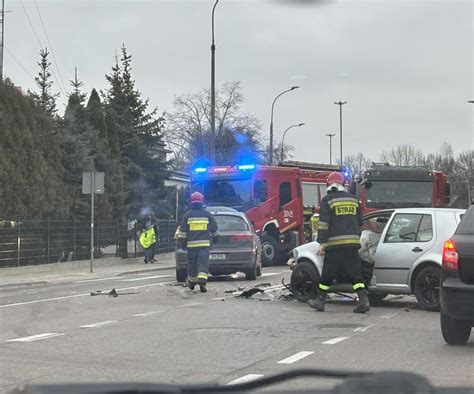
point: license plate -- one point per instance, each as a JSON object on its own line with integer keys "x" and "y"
{"x": 215, "y": 256}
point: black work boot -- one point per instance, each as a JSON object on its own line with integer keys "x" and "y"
{"x": 364, "y": 304}
{"x": 190, "y": 284}
{"x": 203, "y": 287}
{"x": 319, "y": 302}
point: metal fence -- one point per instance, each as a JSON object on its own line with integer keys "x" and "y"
{"x": 33, "y": 242}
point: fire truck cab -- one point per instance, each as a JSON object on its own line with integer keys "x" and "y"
{"x": 273, "y": 198}
{"x": 385, "y": 186}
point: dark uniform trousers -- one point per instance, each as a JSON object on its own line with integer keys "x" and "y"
{"x": 198, "y": 264}
{"x": 342, "y": 260}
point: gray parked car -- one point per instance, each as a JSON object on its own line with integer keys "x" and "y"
{"x": 237, "y": 250}
{"x": 408, "y": 256}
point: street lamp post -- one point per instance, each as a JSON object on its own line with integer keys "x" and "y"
{"x": 213, "y": 92}
{"x": 270, "y": 159}
{"x": 330, "y": 135}
{"x": 340, "y": 103}
{"x": 283, "y": 139}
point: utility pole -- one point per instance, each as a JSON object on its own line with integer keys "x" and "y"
{"x": 340, "y": 103}
{"x": 213, "y": 93}
{"x": 3, "y": 39}
{"x": 330, "y": 135}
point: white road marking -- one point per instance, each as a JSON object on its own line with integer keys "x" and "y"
{"x": 295, "y": 358}
{"x": 193, "y": 304}
{"x": 145, "y": 278}
{"x": 269, "y": 274}
{"x": 335, "y": 340}
{"x": 95, "y": 280}
{"x": 246, "y": 378}
{"x": 146, "y": 314}
{"x": 37, "y": 337}
{"x": 363, "y": 329}
{"x": 389, "y": 316}
{"x": 80, "y": 295}
{"x": 99, "y": 324}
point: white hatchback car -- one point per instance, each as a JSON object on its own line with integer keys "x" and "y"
{"x": 407, "y": 257}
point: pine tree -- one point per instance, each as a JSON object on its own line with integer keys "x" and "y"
{"x": 45, "y": 97}
{"x": 140, "y": 134}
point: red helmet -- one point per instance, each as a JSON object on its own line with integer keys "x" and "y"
{"x": 197, "y": 197}
{"x": 335, "y": 177}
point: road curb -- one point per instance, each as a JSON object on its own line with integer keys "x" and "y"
{"x": 164, "y": 268}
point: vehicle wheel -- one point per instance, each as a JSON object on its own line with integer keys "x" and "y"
{"x": 375, "y": 298}
{"x": 181, "y": 274}
{"x": 270, "y": 253}
{"x": 304, "y": 281}
{"x": 252, "y": 273}
{"x": 455, "y": 332}
{"x": 426, "y": 288}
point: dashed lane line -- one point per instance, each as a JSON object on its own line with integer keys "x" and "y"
{"x": 363, "y": 329}
{"x": 80, "y": 295}
{"x": 335, "y": 340}
{"x": 99, "y": 324}
{"x": 146, "y": 314}
{"x": 37, "y": 337}
{"x": 269, "y": 274}
{"x": 95, "y": 280}
{"x": 145, "y": 278}
{"x": 295, "y": 357}
{"x": 188, "y": 305}
{"x": 389, "y": 316}
{"x": 246, "y": 378}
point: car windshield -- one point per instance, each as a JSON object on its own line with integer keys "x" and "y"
{"x": 164, "y": 207}
{"x": 399, "y": 194}
{"x": 234, "y": 193}
{"x": 231, "y": 223}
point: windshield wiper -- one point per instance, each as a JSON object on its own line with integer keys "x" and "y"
{"x": 356, "y": 383}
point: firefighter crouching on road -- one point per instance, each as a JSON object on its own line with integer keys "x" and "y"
{"x": 340, "y": 223}
{"x": 197, "y": 232}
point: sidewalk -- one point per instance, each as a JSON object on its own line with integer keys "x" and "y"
{"x": 78, "y": 270}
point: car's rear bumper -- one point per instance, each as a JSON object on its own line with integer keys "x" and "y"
{"x": 234, "y": 261}
{"x": 457, "y": 299}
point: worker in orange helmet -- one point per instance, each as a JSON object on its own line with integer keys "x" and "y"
{"x": 197, "y": 232}
{"x": 339, "y": 229}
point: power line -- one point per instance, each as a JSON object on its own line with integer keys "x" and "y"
{"x": 31, "y": 24}
{"x": 19, "y": 63}
{"x": 51, "y": 48}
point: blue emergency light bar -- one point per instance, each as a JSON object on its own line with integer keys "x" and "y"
{"x": 246, "y": 167}
{"x": 200, "y": 170}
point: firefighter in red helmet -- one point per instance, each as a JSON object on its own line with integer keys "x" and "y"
{"x": 197, "y": 232}
{"x": 339, "y": 229}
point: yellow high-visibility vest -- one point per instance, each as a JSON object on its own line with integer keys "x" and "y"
{"x": 148, "y": 238}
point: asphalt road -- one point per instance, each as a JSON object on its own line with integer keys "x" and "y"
{"x": 160, "y": 332}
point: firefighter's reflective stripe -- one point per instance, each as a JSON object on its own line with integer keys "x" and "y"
{"x": 192, "y": 278}
{"x": 323, "y": 225}
{"x": 324, "y": 287}
{"x": 198, "y": 224}
{"x": 202, "y": 275}
{"x": 199, "y": 244}
{"x": 148, "y": 238}
{"x": 343, "y": 200}
{"x": 357, "y": 286}
{"x": 182, "y": 234}
{"x": 343, "y": 242}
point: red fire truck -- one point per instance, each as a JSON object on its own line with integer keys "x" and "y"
{"x": 384, "y": 186}
{"x": 278, "y": 201}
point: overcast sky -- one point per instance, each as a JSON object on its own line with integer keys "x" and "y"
{"x": 405, "y": 67}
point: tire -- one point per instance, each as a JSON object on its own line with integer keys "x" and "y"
{"x": 426, "y": 288}
{"x": 252, "y": 273}
{"x": 375, "y": 298}
{"x": 304, "y": 281}
{"x": 455, "y": 332}
{"x": 270, "y": 252}
{"x": 181, "y": 274}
